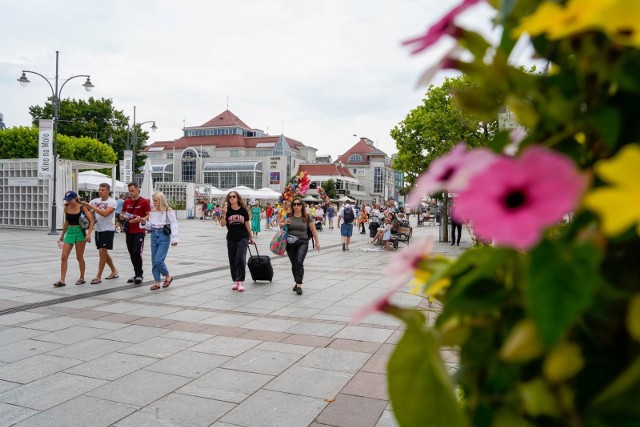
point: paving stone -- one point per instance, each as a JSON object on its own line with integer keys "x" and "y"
{"x": 50, "y": 391}
{"x": 133, "y": 334}
{"x": 188, "y": 364}
{"x": 221, "y": 304}
{"x": 89, "y": 349}
{"x": 269, "y": 324}
{"x": 112, "y": 366}
{"x": 33, "y": 368}
{"x": 274, "y": 409}
{"x": 55, "y": 324}
{"x": 15, "y": 334}
{"x": 19, "y": 317}
{"x": 82, "y": 303}
{"x": 308, "y": 340}
{"x": 10, "y": 414}
{"x": 122, "y": 307}
{"x": 153, "y": 311}
{"x": 120, "y": 318}
{"x": 377, "y": 364}
{"x": 368, "y": 384}
{"x": 90, "y": 314}
{"x": 189, "y": 315}
{"x": 170, "y": 410}
{"x": 386, "y": 349}
{"x": 262, "y": 362}
{"x": 387, "y": 420}
{"x": 153, "y": 322}
{"x": 284, "y": 348}
{"x": 81, "y": 411}
{"x": 298, "y": 312}
{"x": 352, "y": 411}
{"x": 227, "y": 385}
{"x": 25, "y": 349}
{"x": 71, "y": 335}
{"x": 7, "y": 385}
{"x": 225, "y": 331}
{"x": 316, "y": 328}
{"x": 362, "y": 346}
{"x": 312, "y": 382}
{"x": 363, "y": 333}
{"x": 225, "y": 346}
{"x": 158, "y": 347}
{"x": 265, "y": 335}
{"x": 186, "y": 326}
{"x": 139, "y": 388}
{"x": 335, "y": 360}
{"x": 100, "y": 324}
{"x": 183, "y": 335}
{"x": 229, "y": 319}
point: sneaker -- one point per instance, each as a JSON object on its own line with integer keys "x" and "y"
{"x": 240, "y": 287}
{"x": 295, "y": 288}
{"x": 235, "y": 286}
{"x": 138, "y": 280}
{"x": 299, "y": 290}
{"x": 131, "y": 280}
{"x": 344, "y": 247}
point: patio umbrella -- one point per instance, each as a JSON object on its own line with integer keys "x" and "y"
{"x": 245, "y": 192}
{"x": 146, "y": 190}
{"x": 267, "y": 193}
{"x": 90, "y": 181}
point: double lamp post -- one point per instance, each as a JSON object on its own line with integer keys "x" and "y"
{"x": 56, "y": 90}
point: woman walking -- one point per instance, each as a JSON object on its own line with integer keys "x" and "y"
{"x": 73, "y": 235}
{"x": 256, "y": 211}
{"x": 161, "y": 215}
{"x": 235, "y": 216}
{"x": 299, "y": 223}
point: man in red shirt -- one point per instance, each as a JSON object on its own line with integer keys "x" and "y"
{"x": 269, "y": 214}
{"x": 134, "y": 210}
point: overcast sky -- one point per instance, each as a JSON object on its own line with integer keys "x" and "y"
{"x": 322, "y": 70}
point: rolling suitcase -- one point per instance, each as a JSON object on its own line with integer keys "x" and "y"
{"x": 260, "y": 266}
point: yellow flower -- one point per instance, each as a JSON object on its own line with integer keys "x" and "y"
{"x": 622, "y": 23}
{"x": 618, "y": 204}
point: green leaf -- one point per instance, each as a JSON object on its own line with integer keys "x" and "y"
{"x": 562, "y": 281}
{"x": 421, "y": 391}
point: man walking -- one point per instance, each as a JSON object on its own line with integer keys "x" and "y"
{"x": 346, "y": 215}
{"x": 134, "y": 210}
{"x": 269, "y": 215}
{"x": 105, "y": 212}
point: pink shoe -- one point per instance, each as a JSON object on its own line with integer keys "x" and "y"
{"x": 235, "y": 286}
{"x": 240, "y": 287}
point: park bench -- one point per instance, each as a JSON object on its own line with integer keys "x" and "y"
{"x": 403, "y": 234}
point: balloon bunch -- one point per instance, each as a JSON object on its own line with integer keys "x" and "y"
{"x": 323, "y": 195}
{"x": 298, "y": 187}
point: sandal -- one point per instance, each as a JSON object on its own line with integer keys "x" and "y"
{"x": 81, "y": 282}
{"x": 96, "y": 281}
{"x": 112, "y": 276}
{"x": 59, "y": 284}
{"x": 167, "y": 282}
{"x": 155, "y": 287}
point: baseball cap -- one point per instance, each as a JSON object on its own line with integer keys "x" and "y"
{"x": 70, "y": 195}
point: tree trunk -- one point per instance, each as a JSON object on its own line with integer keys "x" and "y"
{"x": 444, "y": 218}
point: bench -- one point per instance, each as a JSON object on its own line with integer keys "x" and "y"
{"x": 403, "y": 234}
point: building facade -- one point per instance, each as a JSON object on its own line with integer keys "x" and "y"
{"x": 225, "y": 152}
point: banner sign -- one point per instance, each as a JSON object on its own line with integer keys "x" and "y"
{"x": 45, "y": 149}
{"x": 127, "y": 174}
{"x": 121, "y": 170}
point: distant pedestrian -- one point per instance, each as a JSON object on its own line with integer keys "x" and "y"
{"x": 235, "y": 216}
{"x": 346, "y": 216}
{"x": 363, "y": 219}
{"x": 135, "y": 209}
{"x": 331, "y": 210}
{"x": 300, "y": 226}
{"x": 73, "y": 235}
{"x": 269, "y": 215}
{"x": 118, "y": 221}
{"x": 105, "y": 212}
{"x": 256, "y": 210}
{"x": 161, "y": 215}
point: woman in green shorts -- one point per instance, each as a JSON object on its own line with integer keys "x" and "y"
{"x": 73, "y": 234}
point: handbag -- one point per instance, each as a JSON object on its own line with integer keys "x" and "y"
{"x": 291, "y": 239}
{"x": 166, "y": 228}
{"x": 278, "y": 245}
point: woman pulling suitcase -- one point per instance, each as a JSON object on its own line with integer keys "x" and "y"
{"x": 235, "y": 216}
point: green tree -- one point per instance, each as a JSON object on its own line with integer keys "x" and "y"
{"x": 22, "y": 143}
{"x": 330, "y": 189}
{"x": 93, "y": 118}
{"x": 434, "y": 127}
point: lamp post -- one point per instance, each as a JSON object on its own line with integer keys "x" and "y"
{"x": 55, "y": 92}
{"x": 135, "y": 135}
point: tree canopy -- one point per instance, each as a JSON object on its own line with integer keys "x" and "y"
{"x": 93, "y": 118}
{"x": 330, "y": 189}
{"x": 22, "y": 143}
{"x": 434, "y": 127}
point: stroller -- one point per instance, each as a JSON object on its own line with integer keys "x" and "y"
{"x": 318, "y": 222}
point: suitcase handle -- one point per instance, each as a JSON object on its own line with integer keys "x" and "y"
{"x": 256, "y": 246}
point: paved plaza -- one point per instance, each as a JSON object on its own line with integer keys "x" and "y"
{"x": 196, "y": 353}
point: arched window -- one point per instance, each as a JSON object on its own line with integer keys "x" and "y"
{"x": 355, "y": 158}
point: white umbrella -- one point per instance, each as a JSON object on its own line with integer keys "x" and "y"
{"x": 245, "y": 192}
{"x": 90, "y": 181}
{"x": 146, "y": 190}
{"x": 267, "y": 193}
{"x": 344, "y": 199}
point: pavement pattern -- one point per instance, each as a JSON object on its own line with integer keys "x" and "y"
{"x": 197, "y": 353}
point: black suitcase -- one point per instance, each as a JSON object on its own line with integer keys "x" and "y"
{"x": 260, "y": 266}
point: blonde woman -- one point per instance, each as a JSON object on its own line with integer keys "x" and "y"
{"x": 161, "y": 215}
{"x": 235, "y": 216}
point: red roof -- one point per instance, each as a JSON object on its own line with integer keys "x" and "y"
{"x": 330, "y": 169}
{"x": 222, "y": 141}
{"x": 363, "y": 148}
{"x": 226, "y": 118}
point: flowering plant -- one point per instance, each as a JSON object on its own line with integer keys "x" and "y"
{"x": 299, "y": 186}
{"x": 545, "y": 316}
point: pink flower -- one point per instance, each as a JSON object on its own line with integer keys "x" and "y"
{"x": 401, "y": 266}
{"x": 444, "y": 26}
{"x": 451, "y": 172}
{"x": 513, "y": 200}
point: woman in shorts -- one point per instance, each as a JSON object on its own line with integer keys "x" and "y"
{"x": 74, "y": 235}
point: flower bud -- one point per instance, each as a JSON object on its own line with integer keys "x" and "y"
{"x": 564, "y": 361}
{"x": 522, "y": 344}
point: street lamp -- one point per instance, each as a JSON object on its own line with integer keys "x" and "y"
{"x": 55, "y": 92}
{"x": 135, "y": 135}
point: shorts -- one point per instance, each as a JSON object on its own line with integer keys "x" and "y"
{"x": 104, "y": 239}
{"x": 346, "y": 230}
{"x": 74, "y": 234}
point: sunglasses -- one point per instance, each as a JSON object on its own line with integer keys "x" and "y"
{"x": 296, "y": 204}
{"x": 233, "y": 197}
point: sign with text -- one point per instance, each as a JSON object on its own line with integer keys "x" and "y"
{"x": 127, "y": 174}
{"x": 274, "y": 177}
{"x": 45, "y": 149}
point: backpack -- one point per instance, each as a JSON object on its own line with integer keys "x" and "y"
{"x": 348, "y": 215}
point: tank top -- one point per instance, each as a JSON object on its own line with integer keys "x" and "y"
{"x": 73, "y": 219}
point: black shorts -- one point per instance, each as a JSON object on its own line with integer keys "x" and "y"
{"x": 104, "y": 239}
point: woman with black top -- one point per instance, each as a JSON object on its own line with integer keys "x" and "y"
{"x": 235, "y": 216}
{"x": 73, "y": 235}
{"x": 299, "y": 223}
